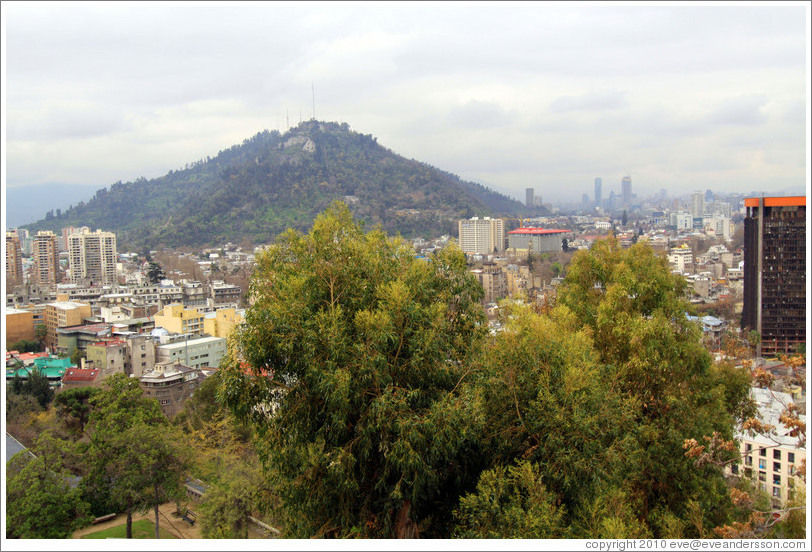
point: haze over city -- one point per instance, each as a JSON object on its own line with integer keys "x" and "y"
{"x": 509, "y": 95}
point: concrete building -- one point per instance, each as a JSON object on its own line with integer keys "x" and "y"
{"x": 529, "y": 197}
{"x": 537, "y": 240}
{"x": 171, "y": 384}
{"x": 775, "y": 272}
{"x": 19, "y": 325}
{"x": 481, "y": 236}
{"x": 45, "y": 253}
{"x": 81, "y": 336}
{"x": 180, "y": 320}
{"x": 771, "y": 460}
{"x": 697, "y": 205}
{"x": 63, "y": 314}
{"x": 626, "y": 190}
{"x": 109, "y": 357}
{"x": 598, "y": 192}
{"x": 92, "y": 257}
{"x": 225, "y": 295}
{"x": 14, "y": 261}
{"x": 201, "y": 352}
{"x": 680, "y": 220}
{"x": 222, "y": 322}
{"x": 493, "y": 281}
{"x": 681, "y": 259}
{"x": 80, "y": 377}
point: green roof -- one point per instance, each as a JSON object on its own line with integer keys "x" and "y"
{"x": 52, "y": 368}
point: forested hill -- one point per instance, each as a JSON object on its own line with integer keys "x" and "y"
{"x": 273, "y": 181}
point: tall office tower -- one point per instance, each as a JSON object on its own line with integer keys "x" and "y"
{"x": 92, "y": 257}
{"x": 775, "y": 271}
{"x": 598, "y": 192}
{"x": 626, "y": 190}
{"x": 697, "y": 204}
{"x": 14, "y": 261}
{"x": 530, "y": 197}
{"x": 45, "y": 251}
{"x": 481, "y": 236}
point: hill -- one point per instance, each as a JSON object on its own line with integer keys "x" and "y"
{"x": 273, "y": 181}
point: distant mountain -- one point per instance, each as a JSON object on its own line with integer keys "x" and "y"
{"x": 25, "y": 205}
{"x": 272, "y": 181}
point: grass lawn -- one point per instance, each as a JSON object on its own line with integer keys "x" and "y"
{"x": 142, "y": 529}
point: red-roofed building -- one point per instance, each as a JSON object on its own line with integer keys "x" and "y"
{"x": 538, "y": 240}
{"x": 80, "y": 377}
{"x": 28, "y": 358}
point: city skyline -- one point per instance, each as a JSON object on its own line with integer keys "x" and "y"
{"x": 509, "y": 95}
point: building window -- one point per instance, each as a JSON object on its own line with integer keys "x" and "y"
{"x": 748, "y": 461}
{"x": 777, "y": 454}
{"x": 776, "y": 466}
{"x": 777, "y": 491}
{"x": 164, "y": 402}
{"x": 762, "y": 464}
{"x": 748, "y": 447}
{"x": 735, "y": 469}
{"x": 762, "y": 476}
{"x": 791, "y": 457}
{"x": 776, "y": 479}
{"x": 762, "y": 451}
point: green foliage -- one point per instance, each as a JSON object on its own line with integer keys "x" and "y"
{"x": 40, "y": 504}
{"x": 356, "y": 350}
{"x": 227, "y": 506}
{"x": 73, "y": 407}
{"x": 141, "y": 529}
{"x": 35, "y": 385}
{"x": 155, "y": 272}
{"x": 77, "y": 355}
{"x": 511, "y": 503}
{"x": 24, "y": 346}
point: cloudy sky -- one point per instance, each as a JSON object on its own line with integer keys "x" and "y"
{"x": 511, "y": 95}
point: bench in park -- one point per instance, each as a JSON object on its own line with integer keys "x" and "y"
{"x": 189, "y": 516}
{"x": 102, "y": 519}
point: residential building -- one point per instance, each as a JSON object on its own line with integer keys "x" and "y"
{"x": 45, "y": 253}
{"x": 222, "y": 322}
{"x": 180, "y": 320}
{"x": 493, "y": 281}
{"x": 481, "y": 236}
{"x": 80, "y": 377}
{"x": 775, "y": 272}
{"x": 681, "y": 220}
{"x": 681, "y": 259}
{"x": 92, "y": 257}
{"x": 14, "y": 261}
{"x": 171, "y": 384}
{"x": 697, "y": 205}
{"x": 537, "y": 240}
{"x": 109, "y": 357}
{"x": 63, "y": 314}
{"x": 529, "y": 197}
{"x": 81, "y": 336}
{"x": 195, "y": 352}
{"x": 771, "y": 460}
{"x": 19, "y": 325}
{"x": 225, "y": 295}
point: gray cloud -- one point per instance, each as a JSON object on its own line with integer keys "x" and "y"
{"x": 548, "y": 95}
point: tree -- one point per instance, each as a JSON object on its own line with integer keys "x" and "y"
{"x": 40, "y": 332}
{"x": 40, "y": 503}
{"x": 74, "y": 407}
{"x": 38, "y": 386}
{"x": 651, "y": 354}
{"x": 135, "y": 461}
{"x": 624, "y": 220}
{"x": 350, "y": 364}
{"x": 155, "y": 272}
{"x": 228, "y": 504}
{"x": 77, "y": 355}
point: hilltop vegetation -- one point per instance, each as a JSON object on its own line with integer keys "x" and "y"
{"x": 271, "y": 182}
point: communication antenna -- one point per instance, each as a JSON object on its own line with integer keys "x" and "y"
{"x": 287, "y": 117}
{"x": 313, "y": 92}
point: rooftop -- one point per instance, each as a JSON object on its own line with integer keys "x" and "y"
{"x": 80, "y": 375}
{"x": 537, "y": 231}
{"x": 798, "y": 201}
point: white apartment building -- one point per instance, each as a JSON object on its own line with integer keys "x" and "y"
{"x": 201, "y": 352}
{"x": 481, "y": 236}
{"x": 771, "y": 460}
{"x": 681, "y": 259}
{"x": 92, "y": 256}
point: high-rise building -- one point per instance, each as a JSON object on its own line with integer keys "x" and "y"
{"x": 530, "y": 197}
{"x": 775, "y": 271}
{"x": 697, "y": 204}
{"x": 92, "y": 257}
{"x": 626, "y": 190}
{"x": 14, "y": 261}
{"x": 45, "y": 251}
{"x": 598, "y": 192}
{"x": 481, "y": 235}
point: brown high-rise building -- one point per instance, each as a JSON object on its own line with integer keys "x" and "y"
{"x": 775, "y": 272}
{"x": 14, "y": 261}
{"x": 45, "y": 251}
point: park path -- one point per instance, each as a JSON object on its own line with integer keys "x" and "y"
{"x": 175, "y": 525}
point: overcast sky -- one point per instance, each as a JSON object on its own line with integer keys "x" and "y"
{"x": 687, "y": 97}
